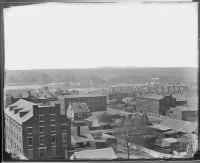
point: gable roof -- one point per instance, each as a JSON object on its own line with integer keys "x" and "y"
{"x": 96, "y": 154}
{"x": 79, "y": 107}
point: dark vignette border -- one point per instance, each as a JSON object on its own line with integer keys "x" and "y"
{"x": 11, "y": 3}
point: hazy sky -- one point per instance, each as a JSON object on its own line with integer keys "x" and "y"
{"x": 101, "y": 35}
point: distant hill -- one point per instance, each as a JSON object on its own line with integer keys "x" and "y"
{"x": 101, "y": 76}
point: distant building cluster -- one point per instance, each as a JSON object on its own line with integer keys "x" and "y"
{"x": 47, "y": 124}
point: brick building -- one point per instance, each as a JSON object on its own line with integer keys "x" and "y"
{"x": 154, "y": 104}
{"x": 93, "y": 101}
{"x": 185, "y": 113}
{"x": 38, "y": 132}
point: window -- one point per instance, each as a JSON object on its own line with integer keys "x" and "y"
{"x": 53, "y": 139}
{"x": 29, "y": 153}
{"x": 30, "y": 140}
{"x": 64, "y": 137}
{"x": 41, "y": 140}
{"x": 53, "y": 151}
{"x": 41, "y": 118}
{"x": 29, "y": 130}
{"x": 64, "y": 127}
{"x": 53, "y": 128}
{"x": 41, "y": 128}
{"x": 52, "y": 117}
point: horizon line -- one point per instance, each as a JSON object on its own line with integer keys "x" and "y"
{"x": 111, "y": 67}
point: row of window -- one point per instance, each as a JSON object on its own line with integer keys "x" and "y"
{"x": 42, "y": 117}
{"x": 14, "y": 134}
{"x": 42, "y": 139}
{"x": 41, "y": 152}
{"x": 14, "y": 146}
{"x": 13, "y": 123}
{"x": 186, "y": 113}
{"x": 42, "y": 128}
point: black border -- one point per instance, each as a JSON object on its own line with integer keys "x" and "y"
{"x": 11, "y": 3}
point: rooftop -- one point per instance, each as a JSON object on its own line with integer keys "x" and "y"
{"x": 153, "y": 97}
{"x": 179, "y": 97}
{"x": 96, "y": 154}
{"x": 184, "y": 108}
{"x": 22, "y": 110}
{"x": 84, "y": 95}
{"x": 179, "y": 125}
{"x": 79, "y": 107}
{"x": 160, "y": 127}
{"x": 22, "y": 106}
{"x": 84, "y": 132}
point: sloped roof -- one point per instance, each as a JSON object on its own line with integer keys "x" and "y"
{"x": 24, "y": 106}
{"x": 179, "y": 125}
{"x": 84, "y": 132}
{"x": 80, "y": 107}
{"x": 96, "y": 120}
{"x": 96, "y": 154}
{"x": 160, "y": 127}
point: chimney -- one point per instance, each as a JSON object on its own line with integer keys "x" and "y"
{"x": 78, "y": 130}
{"x": 35, "y": 108}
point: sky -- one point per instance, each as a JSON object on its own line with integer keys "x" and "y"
{"x": 48, "y": 36}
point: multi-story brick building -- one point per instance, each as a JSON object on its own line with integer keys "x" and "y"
{"x": 38, "y": 132}
{"x": 93, "y": 101}
{"x": 154, "y": 104}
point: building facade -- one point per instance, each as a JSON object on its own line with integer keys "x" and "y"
{"x": 38, "y": 132}
{"x": 78, "y": 111}
{"x": 94, "y": 102}
{"x": 183, "y": 113}
{"x": 154, "y": 105}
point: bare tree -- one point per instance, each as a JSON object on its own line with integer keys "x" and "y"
{"x": 131, "y": 129}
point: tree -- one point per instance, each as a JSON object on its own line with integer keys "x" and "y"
{"x": 131, "y": 130}
{"x": 127, "y": 134}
